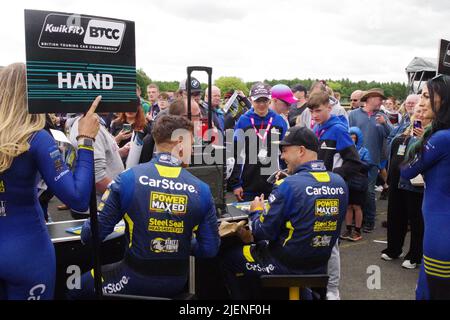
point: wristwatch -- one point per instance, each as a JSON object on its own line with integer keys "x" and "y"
{"x": 87, "y": 142}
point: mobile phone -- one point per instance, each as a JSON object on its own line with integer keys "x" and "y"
{"x": 127, "y": 127}
{"x": 447, "y": 56}
{"x": 417, "y": 124}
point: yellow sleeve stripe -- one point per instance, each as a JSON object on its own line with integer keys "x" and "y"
{"x": 436, "y": 261}
{"x": 436, "y": 265}
{"x": 92, "y": 274}
{"x": 279, "y": 182}
{"x": 291, "y": 232}
{"x": 436, "y": 274}
{"x": 130, "y": 224}
{"x": 444, "y": 272}
{"x": 86, "y": 148}
{"x": 247, "y": 254}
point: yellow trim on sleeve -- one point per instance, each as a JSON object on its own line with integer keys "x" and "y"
{"x": 168, "y": 172}
{"x": 291, "y": 232}
{"x": 86, "y": 148}
{"x": 92, "y": 274}
{"x": 436, "y": 265}
{"x": 130, "y": 224}
{"x": 279, "y": 182}
{"x": 435, "y": 260}
{"x": 444, "y": 272}
{"x": 436, "y": 274}
{"x": 247, "y": 254}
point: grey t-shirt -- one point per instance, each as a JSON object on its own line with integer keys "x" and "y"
{"x": 107, "y": 160}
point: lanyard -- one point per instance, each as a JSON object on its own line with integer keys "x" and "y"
{"x": 263, "y": 138}
{"x": 320, "y": 133}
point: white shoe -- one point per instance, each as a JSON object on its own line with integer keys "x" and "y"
{"x": 384, "y": 256}
{"x": 333, "y": 295}
{"x": 408, "y": 265}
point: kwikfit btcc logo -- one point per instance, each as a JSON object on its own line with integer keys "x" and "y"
{"x": 51, "y": 28}
{"x": 82, "y": 33}
{"x": 104, "y": 33}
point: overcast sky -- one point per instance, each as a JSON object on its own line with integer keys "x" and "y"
{"x": 261, "y": 39}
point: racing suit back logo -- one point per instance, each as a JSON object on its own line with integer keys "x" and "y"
{"x": 36, "y": 292}
{"x": 2, "y": 208}
{"x": 321, "y": 241}
{"x": 2, "y": 186}
{"x": 160, "y": 245}
{"x": 171, "y": 203}
{"x": 327, "y": 207}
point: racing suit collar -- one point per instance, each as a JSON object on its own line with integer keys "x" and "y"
{"x": 166, "y": 158}
{"x": 317, "y": 165}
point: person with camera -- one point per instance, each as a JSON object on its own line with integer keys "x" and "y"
{"x": 27, "y": 255}
{"x": 405, "y": 199}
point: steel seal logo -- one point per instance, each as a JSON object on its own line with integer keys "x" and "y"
{"x": 167, "y": 226}
{"x": 323, "y": 226}
{"x": 164, "y": 202}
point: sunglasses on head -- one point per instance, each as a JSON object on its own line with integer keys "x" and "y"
{"x": 444, "y": 78}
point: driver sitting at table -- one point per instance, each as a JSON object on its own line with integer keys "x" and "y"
{"x": 162, "y": 204}
{"x": 298, "y": 231}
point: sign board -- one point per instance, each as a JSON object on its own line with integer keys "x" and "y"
{"x": 73, "y": 58}
{"x": 444, "y": 58}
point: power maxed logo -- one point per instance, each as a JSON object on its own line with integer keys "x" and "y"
{"x": 327, "y": 207}
{"x": 164, "y": 202}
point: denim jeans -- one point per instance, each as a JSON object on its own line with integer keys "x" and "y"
{"x": 369, "y": 209}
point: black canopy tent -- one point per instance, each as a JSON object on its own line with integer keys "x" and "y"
{"x": 420, "y": 70}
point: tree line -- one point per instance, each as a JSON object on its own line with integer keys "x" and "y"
{"x": 344, "y": 86}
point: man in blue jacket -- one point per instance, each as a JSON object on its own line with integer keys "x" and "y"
{"x": 375, "y": 128}
{"x": 255, "y": 158}
{"x": 162, "y": 204}
{"x": 297, "y": 233}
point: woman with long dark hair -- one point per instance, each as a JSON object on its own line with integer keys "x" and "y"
{"x": 430, "y": 156}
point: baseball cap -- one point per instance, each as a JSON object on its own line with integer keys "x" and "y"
{"x": 284, "y": 93}
{"x": 195, "y": 85}
{"x": 299, "y": 87}
{"x": 301, "y": 136}
{"x": 260, "y": 90}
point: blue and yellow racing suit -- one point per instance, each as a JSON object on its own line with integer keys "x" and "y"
{"x": 27, "y": 255}
{"x": 161, "y": 204}
{"x": 297, "y": 233}
{"x": 434, "y": 164}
